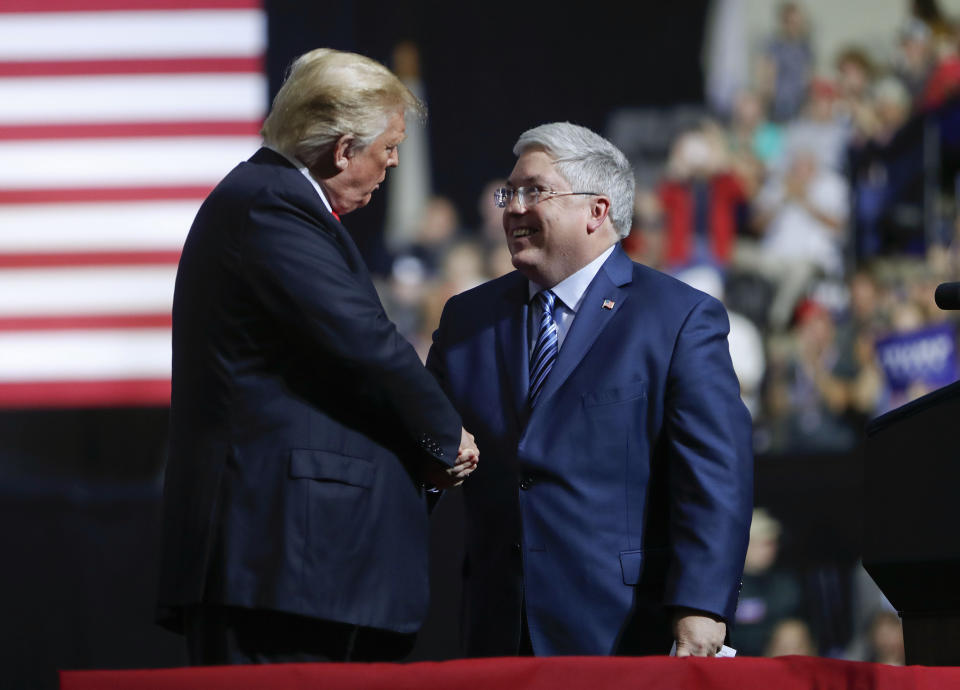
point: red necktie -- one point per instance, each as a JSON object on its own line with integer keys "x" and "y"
{"x": 334, "y": 214}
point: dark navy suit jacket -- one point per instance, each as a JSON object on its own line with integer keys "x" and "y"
{"x": 627, "y": 490}
{"x": 300, "y": 417}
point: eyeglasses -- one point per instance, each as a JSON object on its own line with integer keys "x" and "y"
{"x": 528, "y": 197}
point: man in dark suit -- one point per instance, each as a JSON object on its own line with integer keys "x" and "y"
{"x": 304, "y": 428}
{"x": 612, "y": 510}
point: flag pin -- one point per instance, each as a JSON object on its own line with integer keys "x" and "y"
{"x": 608, "y": 304}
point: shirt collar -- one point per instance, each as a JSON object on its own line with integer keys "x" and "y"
{"x": 571, "y": 289}
{"x": 306, "y": 173}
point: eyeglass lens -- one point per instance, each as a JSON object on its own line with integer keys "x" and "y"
{"x": 526, "y": 196}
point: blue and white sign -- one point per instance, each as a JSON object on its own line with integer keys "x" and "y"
{"x": 927, "y": 357}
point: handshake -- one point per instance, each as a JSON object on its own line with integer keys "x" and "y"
{"x": 467, "y": 458}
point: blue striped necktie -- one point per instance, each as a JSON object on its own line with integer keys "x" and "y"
{"x": 546, "y": 348}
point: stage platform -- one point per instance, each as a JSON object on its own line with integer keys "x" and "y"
{"x": 592, "y": 673}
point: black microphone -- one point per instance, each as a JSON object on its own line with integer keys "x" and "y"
{"x": 947, "y": 296}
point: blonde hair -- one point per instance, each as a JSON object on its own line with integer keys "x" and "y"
{"x": 329, "y": 93}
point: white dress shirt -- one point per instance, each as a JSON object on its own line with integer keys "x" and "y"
{"x": 569, "y": 292}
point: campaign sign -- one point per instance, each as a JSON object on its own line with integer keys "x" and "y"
{"x": 927, "y": 356}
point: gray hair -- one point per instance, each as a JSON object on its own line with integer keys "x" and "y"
{"x": 329, "y": 93}
{"x": 589, "y": 163}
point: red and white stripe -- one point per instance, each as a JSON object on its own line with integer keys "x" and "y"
{"x": 117, "y": 117}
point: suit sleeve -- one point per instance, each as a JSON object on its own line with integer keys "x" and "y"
{"x": 436, "y": 360}
{"x": 709, "y": 434}
{"x": 300, "y": 272}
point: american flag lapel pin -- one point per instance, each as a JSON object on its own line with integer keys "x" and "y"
{"x": 608, "y": 304}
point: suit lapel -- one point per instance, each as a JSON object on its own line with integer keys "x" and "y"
{"x": 327, "y": 222}
{"x": 591, "y": 319}
{"x": 512, "y": 340}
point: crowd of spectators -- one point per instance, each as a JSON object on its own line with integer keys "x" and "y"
{"x": 811, "y": 211}
{"x": 812, "y": 205}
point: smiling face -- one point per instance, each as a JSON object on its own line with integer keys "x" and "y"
{"x": 361, "y": 171}
{"x": 558, "y": 236}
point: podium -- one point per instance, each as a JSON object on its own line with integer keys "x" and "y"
{"x": 911, "y": 539}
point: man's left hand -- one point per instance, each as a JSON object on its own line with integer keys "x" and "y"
{"x": 698, "y": 635}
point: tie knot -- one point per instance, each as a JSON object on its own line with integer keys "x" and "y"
{"x": 547, "y": 299}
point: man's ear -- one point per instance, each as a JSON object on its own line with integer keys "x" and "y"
{"x": 343, "y": 151}
{"x": 599, "y": 210}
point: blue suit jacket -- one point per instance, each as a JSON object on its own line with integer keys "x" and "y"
{"x": 627, "y": 490}
{"x": 300, "y": 417}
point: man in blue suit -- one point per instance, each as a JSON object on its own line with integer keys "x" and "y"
{"x": 304, "y": 428}
{"x": 612, "y": 510}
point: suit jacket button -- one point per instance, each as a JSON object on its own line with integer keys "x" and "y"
{"x": 516, "y": 547}
{"x": 526, "y": 483}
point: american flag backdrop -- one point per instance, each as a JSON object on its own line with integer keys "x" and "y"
{"x": 117, "y": 117}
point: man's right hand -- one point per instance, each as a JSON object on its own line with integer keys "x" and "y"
{"x": 468, "y": 453}
{"x": 467, "y": 458}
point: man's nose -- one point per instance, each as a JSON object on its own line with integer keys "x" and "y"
{"x": 514, "y": 205}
